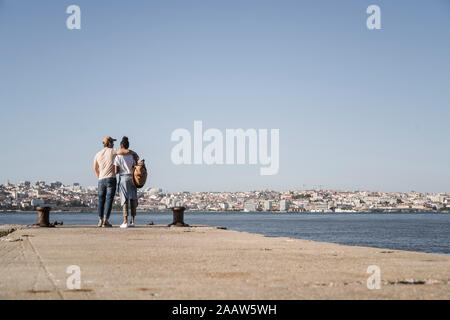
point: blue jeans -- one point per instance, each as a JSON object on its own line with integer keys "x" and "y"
{"x": 106, "y": 193}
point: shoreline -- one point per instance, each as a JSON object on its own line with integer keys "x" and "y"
{"x": 414, "y": 242}
{"x": 202, "y": 262}
{"x": 237, "y": 211}
{"x": 7, "y": 229}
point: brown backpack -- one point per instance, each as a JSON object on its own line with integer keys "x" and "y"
{"x": 140, "y": 174}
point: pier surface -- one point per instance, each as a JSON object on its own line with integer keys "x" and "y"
{"x": 157, "y": 262}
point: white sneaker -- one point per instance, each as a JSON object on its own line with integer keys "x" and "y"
{"x": 124, "y": 225}
{"x": 131, "y": 225}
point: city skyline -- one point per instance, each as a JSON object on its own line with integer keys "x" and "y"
{"x": 303, "y": 187}
{"x": 357, "y": 109}
{"x": 26, "y": 197}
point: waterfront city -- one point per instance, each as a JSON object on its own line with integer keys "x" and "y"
{"x": 26, "y": 196}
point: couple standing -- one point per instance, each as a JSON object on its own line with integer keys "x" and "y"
{"x": 108, "y": 163}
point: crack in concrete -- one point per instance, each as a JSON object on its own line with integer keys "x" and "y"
{"x": 49, "y": 275}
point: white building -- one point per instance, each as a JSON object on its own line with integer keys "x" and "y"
{"x": 250, "y": 207}
{"x": 224, "y": 206}
{"x": 268, "y": 205}
{"x": 284, "y": 205}
{"x": 319, "y": 207}
{"x": 37, "y": 202}
{"x": 154, "y": 191}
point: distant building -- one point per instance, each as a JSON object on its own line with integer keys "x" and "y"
{"x": 40, "y": 183}
{"x": 76, "y": 188}
{"x": 284, "y": 205}
{"x": 268, "y": 205}
{"x": 447, "y": 202}
{"x": 319, "y": 207}
{"x": 250, "y": 207}
{"x": 24, "y": 183}
{"x": 154, "y": 191}
{"x": 175, "y": 203}
{"x": 37, "y": 202}
{"x": 55, "y": 184}
{"x": 224, "y": 206}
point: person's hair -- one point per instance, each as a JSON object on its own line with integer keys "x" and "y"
{"x": 125, "y": 143}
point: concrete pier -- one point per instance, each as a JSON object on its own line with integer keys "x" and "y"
{"x": 198, "y": 262}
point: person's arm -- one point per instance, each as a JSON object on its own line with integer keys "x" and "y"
{"x": 116, "y": 170}
{"x": 125, "y": 152}
{"x": 96, "y": 169}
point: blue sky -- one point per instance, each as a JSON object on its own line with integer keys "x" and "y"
{"x": 356, "y": 109}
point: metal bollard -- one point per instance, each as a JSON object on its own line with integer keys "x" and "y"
{"x": 178, "y": 217}
{"x": 43, "y": 216}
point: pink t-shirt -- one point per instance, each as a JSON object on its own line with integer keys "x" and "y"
{"x": 105, "y": 159}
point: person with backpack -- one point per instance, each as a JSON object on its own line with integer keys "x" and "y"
{"x": 124, "y": 166}
{"x": 107, "y": 183}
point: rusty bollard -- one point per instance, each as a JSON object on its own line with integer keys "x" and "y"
{"x": 178, "y": 217}
{"x": 43, "y": 216}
